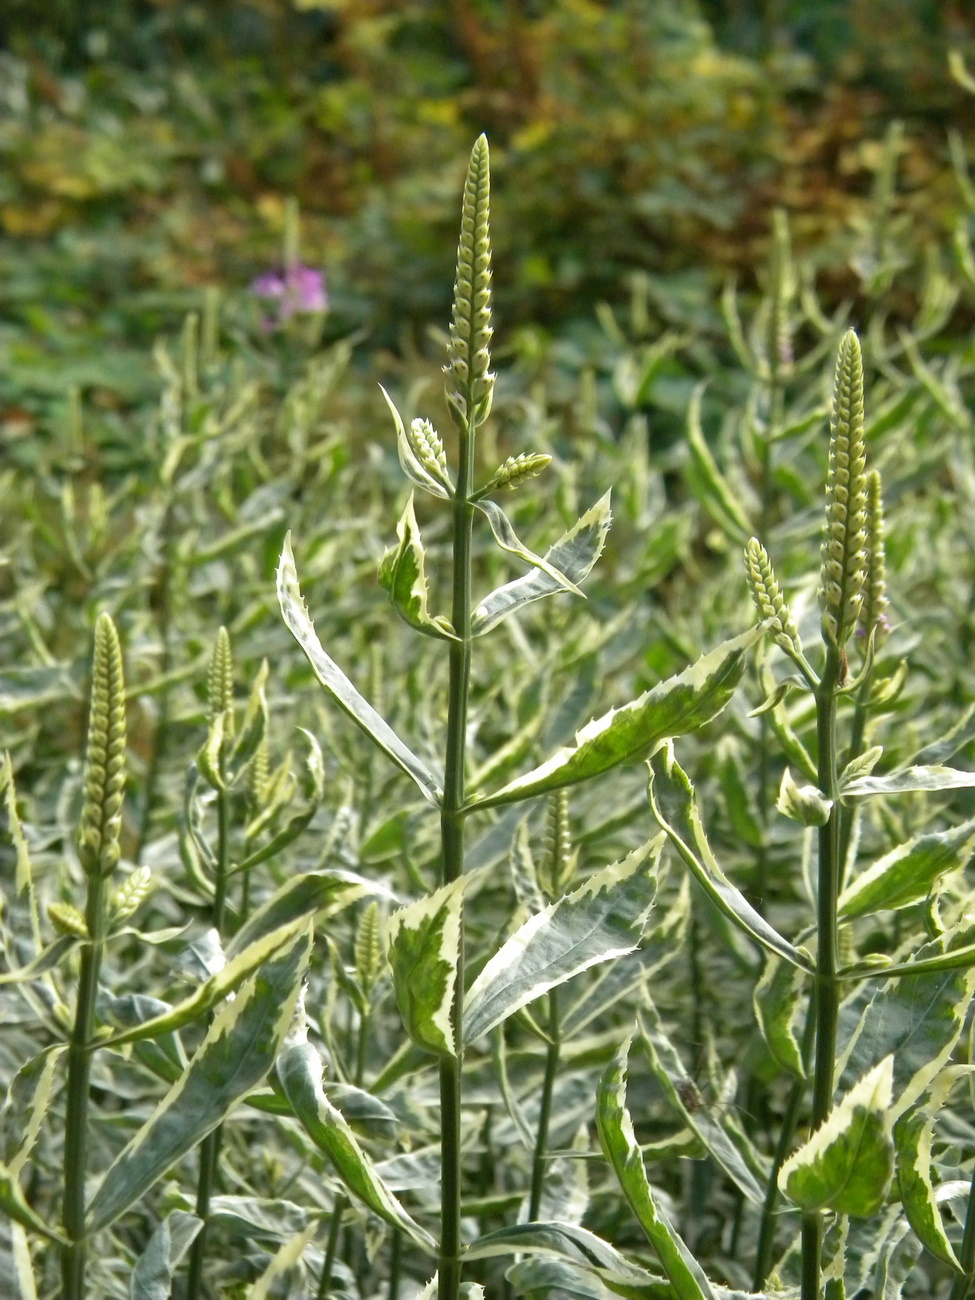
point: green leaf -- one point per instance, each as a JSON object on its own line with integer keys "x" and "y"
{"x": 562, "y": 1241}
{"x": 620, "y": 1147}
{"x": 597, "y": 922}
{"x": 48, "y": 959}
{"x": 345, "y": 695}
{"x": 424, "y": 945}
{"x": 918, "y": 1018}
{"x": 318, "y": 894}
{"x": 417, "y": 473}
{"x": 847, "y": 1164}
{"x": 152, "y": 1277}
{"x": 508, "y": 540}
{"x": 573, "y": 555}
{"x": 300, "y": 1073}
{"x": 213, "y": 990}
{"x": 674, "y": 707}
{"x": 402, "y": 574}
{"x": 677, "y": 1085}
{"x": 547, "y": 1278}
{"x": 237, "y": 1053}
{"x": 17, "y": 1280}
{"x": 912, "y": 778}
{"x": 802, "y": 803}
{"x": 285, "y": 1259}
{"x": 25, "y": 1106}
{"x": 13, "y": 1204}
{"x": 912, "y": 1136}
{"x": 253, "y": 728}
{"x": 777, "y": 998}
{"x": 709, "y": 484}
{"x": 674, "y": 805}
{"x": 907, "y": 874}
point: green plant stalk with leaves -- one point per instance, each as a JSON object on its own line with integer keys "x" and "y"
{"x": 98, "y": 848}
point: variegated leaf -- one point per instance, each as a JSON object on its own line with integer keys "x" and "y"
{"x": 300, "y": 1072}
{"x": 25, "y": 1107}
{"x": 424, "y": 944}
{"x": 597, "y": 922}
{"x": 674, "y": 707}
{"x": 620, "y": 1146}
{"x": 674, "y": 805}
{"x": 848, "y": 1163}
{"x": 907, "y": 874}
{"x": 287, "y": 1256}
{"x": 17, "y": 1281}
{"x": 238, "y": 1051}
{"x": 317, "y": 894}
{"x": 417, "y": 473}
{"x": 345, "y": 695}
{"x": 508, "y": 540}
{"x": 14, "y": 1205}
{"x": 777, "y": 998}
{"x": 565, "y": 1241}
{"x": 402, "y": 574}
{"x": 912, "y": 778}
{"x": 574, "y": 554}
{"x": 152, "y": 1277}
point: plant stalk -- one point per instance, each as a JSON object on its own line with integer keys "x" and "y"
{"x": 74, "y": 1255}
{"x": 962, "y": 1285}
{"x": 545, "y": 1111}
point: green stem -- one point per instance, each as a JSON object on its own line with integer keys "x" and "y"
{"x": 74, "y": 1255}
{"x": 395, "y": 1251}
{"x": 827, "y": 950}
{"x": 545, "y": 1111}
{"x": 210, "y": 1146}
{"x": 861, "y": 715}
{"x": 452, "y": 838}
{"x": 331, "y": 1248}
{"x": 962, "y": 1284}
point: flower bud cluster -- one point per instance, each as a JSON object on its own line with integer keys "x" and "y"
{"x": 470, "y": 382}
{"x": 104, "y": 784}
{"x": 844, "y": 559}
{"x": 768, "y": 599}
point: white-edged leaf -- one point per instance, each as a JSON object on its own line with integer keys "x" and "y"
{"x": 848, "y": 1163}
{"x": 672, "y": 708}
{"x": 912, "y": 778}
{"x": 300, "y": 1073}
{"x": 345, "y": 695}
{"x": 239, "y": 1049}
{"x": 601, "y": 920}
{"x": 14, "y": 1205}
{"x": 712, "y": 489}
{"x": 574, "y": 555}
{"x": 777, "y": 999}
{"x": 318, "y": 894}
{"x": 676, "y": 1084}
{"x": 621, "y": 1149}
{"x": 907, "y": 874}
{"x": 562, "y": 1241}
{"x": 674, "y": 805}
{"x": 418, "y": 474}
{"x": 25, "y": 1106}
{"x": 802, "y": 803}
{"x": 424, "y": 946}
{"x": 48, "y": 959}
{"x": 508, "y": 540}
{"x": 152, "y": 1277}
{"x": 285, "y": 1258}
{"x": 403, "y": 575}
{"x": 17, "y": 1281}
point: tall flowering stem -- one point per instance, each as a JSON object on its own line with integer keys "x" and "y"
{"x": 98, "y": 848}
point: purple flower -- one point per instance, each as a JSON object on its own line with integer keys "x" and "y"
{"x": 296, "y": 290}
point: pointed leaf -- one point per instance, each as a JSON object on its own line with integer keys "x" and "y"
{"x": 712, "y": 488}
{"x": 777, "y": 998}
{"x": 342, "y": 691}
{"x": 402, "y": 574}
{"x": 13, "y": 1204}
{"x": 48, "y": 959}
{"x": 847, "y": 1164}
{"x": 17, "y": 1281}
{"x": 25, "y": 1106}
{"x": 677, "y": 1085}
{"x": 674, "y": 707}
{"x": 620, "y": 1147}
{"x": 508, "y": 540}
{"x": 907, "y": 874}
{"x": 300, "y": 1073}
{"x": 318, "y": 894}
{"x": 601, "y": 920}
{"x": 152, "y": 1277}
{"x": 563, "y": 1241}
{"x": 912, "y": 778}
{"x": 236, "y": 1055}
{"x": 574, "y": 555}
{"x": 285, "y": 1258}
{"x": 424, "y": 946}
{"x": 674, "y": 805}
{"x": 411, "y": 466}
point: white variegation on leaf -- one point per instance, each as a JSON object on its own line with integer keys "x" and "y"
{"x": 848, "y": 1163}
{"x": 909, "y": 780}
{"x": 152, "y": 1276}
{"x": 674, "y": 707}
{"x": 403, "y": 575}
{"x": 802, "y": 803}
{"x": 345, "y": 695}
{"x": 908, "y": 873}
{"x": 777, "y": 999}
{"x": 508, "y": 540}
{"x": 424, "y": 945}
{"x": 421, "y": 475}
{"x": 601, "y": 920}
{"x": 574, "y": 555}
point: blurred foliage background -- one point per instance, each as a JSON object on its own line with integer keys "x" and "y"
{"x": 149, "y": 148}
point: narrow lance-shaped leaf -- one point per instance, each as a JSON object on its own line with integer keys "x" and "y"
{"x": 847, "y": 1164}
{"x": 300, "y": 1072}
{"x": 26, "y": 1105}
{"x": 508, "y": 540}
{"x": 623, "y": 1152}
{"x": 318, "y": 894}
{"x": 906, "y": 874}
{"x": 287, "y": 1256}
{"x": 674, "y": 707}
{"x": 912, "y": 1137}
{"x": 564, "y": 1241}
{"x": 402, "y": 573}
{"x": 152, "y": 1277}
{"x": 237, "y": 1053}
{"x": 709, "y": 483}
{"x": 342, "y": 691}
{"x": 676, "y": 1083}
{"x": 601, "y": 920}
{"x": 912, "y": 778}
{"x": 16, "y": 1268}
{"x": 424, "y": 945}
{"x": 574, "y": 554}
{"x": 674, "y": 805}
{"x": 412, "y": 467}
{"x": 777, "y": 998}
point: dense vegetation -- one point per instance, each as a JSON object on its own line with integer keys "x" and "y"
{"x": 559, "y": 946}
